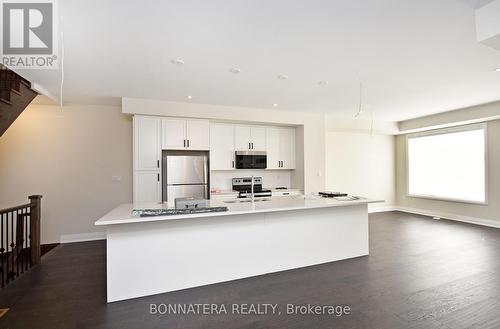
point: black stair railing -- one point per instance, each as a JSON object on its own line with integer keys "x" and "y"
{"x": 19, "y": 239}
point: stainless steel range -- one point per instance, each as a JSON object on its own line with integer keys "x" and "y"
{"x": 244, "y": 186}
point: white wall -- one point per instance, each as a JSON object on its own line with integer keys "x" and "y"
{"x": 361, "y": 164}
{"x": 69, "y": 158}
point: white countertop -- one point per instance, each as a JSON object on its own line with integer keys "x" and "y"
{"x": 123, "y": 213}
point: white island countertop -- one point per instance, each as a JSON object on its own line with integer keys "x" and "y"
{"x": 123, "y": 213}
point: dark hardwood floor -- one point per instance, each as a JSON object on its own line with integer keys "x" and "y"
{"x": 421, "y": 273}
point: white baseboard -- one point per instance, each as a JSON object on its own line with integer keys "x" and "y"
{"x": 455, "y": 217}
{"x": 372, "y": 210}
{"x": 81, "y": 237}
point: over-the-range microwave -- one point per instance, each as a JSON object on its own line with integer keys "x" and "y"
{"x": 251, "y": 160}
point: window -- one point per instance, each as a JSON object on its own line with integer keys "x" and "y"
{"x": 448, "y": 164}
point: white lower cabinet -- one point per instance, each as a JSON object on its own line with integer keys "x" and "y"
{"x": 286, "y": 193}
{"x": 225, "y": 196}
{"x": 147, "y": 186}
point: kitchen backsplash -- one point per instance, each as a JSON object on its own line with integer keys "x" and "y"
{"x": 222, "y": 180}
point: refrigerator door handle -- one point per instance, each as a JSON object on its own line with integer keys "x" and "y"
{"x": 205, "y": 171}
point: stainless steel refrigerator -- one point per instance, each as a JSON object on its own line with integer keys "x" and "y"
{"x": 185, "y": 174}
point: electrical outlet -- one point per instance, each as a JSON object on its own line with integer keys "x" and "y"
{"x": 116, "y": 178}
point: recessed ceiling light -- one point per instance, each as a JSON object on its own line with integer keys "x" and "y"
{"x": 178, "y": 61}
{"x": 275, "y": 105}
{"x": 322, "y": 83}
{"x": 235, "y": 70}
{"x": 497, "y": 70}
{"x": 282, "y": 77}
{"x": 189, "y": 97}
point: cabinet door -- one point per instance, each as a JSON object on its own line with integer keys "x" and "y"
{"x": 242, "y": 138}
{"x": 147, "y": 186}
{"x": 173, "y": 134}
{"x": 287, "y": 148}
{"x": 273, "y": 148}
{"x": 146, "y": 143}
{"x": 258, "y": 138}
{"x": 221, "y": 147}
{"x": 198, "y": 134}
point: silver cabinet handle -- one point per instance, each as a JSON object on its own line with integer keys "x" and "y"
{"x": 188, "y": 142}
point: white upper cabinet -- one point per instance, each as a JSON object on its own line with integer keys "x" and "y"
{"x": 249, "y": 138}
{"x": 287, "y": 148}
{"x": 182, "y": 134}
{"x": 258, "y": 138}
{"x": 173, "y": 134}
{"x": 242, "y": 138}
{"x": 198, "y": 134}
{"x": 273, "y": 148}
{"x": 221, "y": 146}
{"x": 280, "y": 148}
{"x": 147, "y": 150}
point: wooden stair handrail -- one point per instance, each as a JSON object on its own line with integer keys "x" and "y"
{"x": 11, "y": 209}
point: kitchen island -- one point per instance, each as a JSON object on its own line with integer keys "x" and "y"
{"x": 151, "y": 255}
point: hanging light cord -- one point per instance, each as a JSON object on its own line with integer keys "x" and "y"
{"x": 360, "y": 108}
{"x": 371, "y": 123}
{"x": 62, "y": 68}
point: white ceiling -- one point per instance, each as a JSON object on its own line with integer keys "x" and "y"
{"x": 415, "y": 57}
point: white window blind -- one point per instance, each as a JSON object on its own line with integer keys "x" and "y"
{"x": 448, "y": 164}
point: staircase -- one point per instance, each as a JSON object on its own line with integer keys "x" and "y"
{"x": 15, "y": 95}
